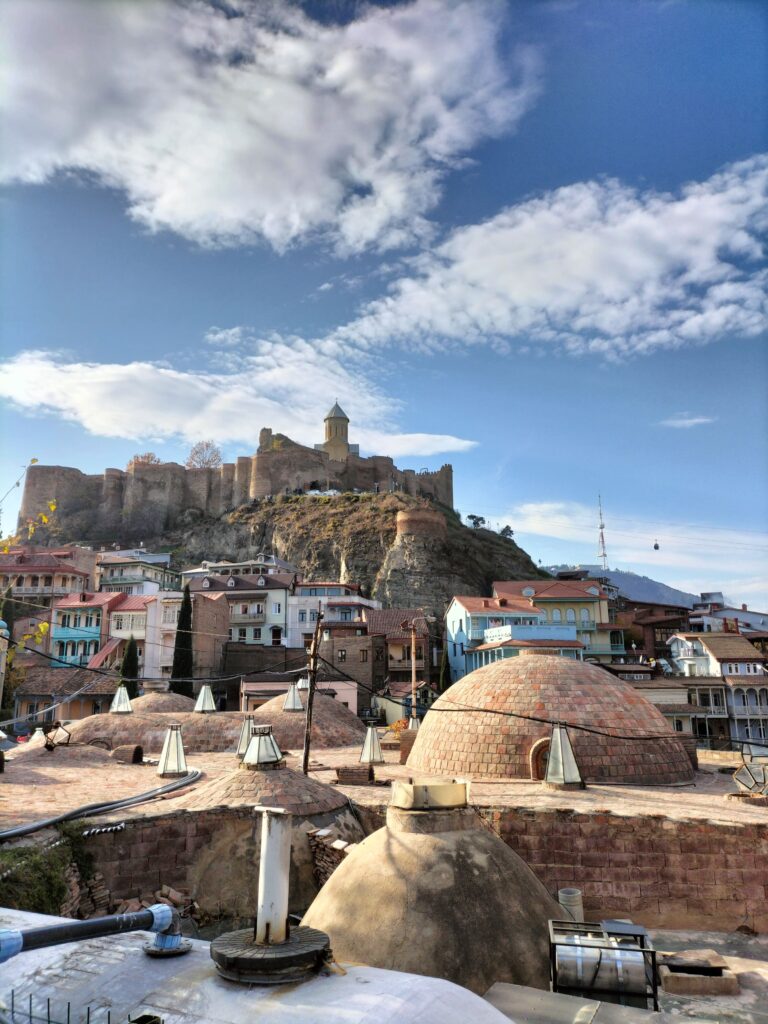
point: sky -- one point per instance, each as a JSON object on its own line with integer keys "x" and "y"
{"x": 526, "y": 238}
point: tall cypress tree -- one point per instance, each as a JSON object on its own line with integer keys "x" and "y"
{"x": 181, "y": 672}
{"x": 129, "y": 668}
{"x": 8, "y": 610}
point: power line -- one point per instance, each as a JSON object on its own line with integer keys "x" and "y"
{"x": 491, "y": 711}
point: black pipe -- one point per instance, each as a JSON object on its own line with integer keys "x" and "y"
{"x": 96, "y": 927}
{"x": 89, "y": 810}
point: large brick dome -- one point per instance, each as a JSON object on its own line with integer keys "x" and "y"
{"x": 454, "y": 741}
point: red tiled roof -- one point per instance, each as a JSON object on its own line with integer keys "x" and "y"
{"x": 496, "y": 604}
{"x": 40, "y": 562}
{"x": 389, "y": 622}
{"x": 552, "y": 590}
{"x": 136, "y": 603}
{"x": 49, "y": 681}
{"x": 246, "y": 582}
{"x": 528, "y": 643}
{"x": 107, "y": 600}
{"x": 101, "y": 656}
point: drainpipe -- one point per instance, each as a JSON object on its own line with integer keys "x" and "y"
{"x": 274, "y": 870}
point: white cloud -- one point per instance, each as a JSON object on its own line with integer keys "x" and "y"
{"x": 226, "y": 337}
{"x": 684, "y": 421}
{"x": 260, "y": 123}
{"x": 591, "y": 267}
{"x": 691, "y": 557}
{"x": 283, "y": 384}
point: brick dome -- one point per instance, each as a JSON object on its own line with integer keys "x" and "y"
{"x": 479, "y": 745}
{"x": 162, "y": 702}
{"x": 282, "y": 787}
{"x": 333, "y": 724}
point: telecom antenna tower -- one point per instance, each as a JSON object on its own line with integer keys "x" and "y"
{"x": 602, "y": 554}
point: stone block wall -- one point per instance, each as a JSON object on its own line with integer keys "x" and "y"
{"x": 659, "y": 871}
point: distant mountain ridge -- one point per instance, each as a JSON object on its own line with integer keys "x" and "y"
{"x": 634, "y": 587}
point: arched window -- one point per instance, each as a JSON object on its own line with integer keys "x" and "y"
{"x": 584, "y": 616}
{"x": 740, "y": 697}
{"x": 556, "y": 616}
{"x": 763, "y": 696}
{"x": 570, "y": 615}
{"x": 752, "y": 697}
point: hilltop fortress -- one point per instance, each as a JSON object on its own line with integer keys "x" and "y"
{"x": 148, "y": 499}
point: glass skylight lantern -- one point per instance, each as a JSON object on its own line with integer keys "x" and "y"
{"x": 303, "y": 683}
{"x": 292, "y": 700}
{"x": 245, "y": 736}
{"x": 371, "y": 752}
{"x": 173, "y": 762}
{"x": 205, "y": 703}
{"x": 263, "y": 751}
{"x": 121, "y": 702}
{"x": 562, "y": 771}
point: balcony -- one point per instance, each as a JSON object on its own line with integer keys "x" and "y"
{"x": 252, "y": 618}
{"x": 751, "y": 711}
{"x": 403, "y": 664}
{"x": 54, "y": 591}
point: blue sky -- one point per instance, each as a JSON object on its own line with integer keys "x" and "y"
{"x": 523, "y": 238}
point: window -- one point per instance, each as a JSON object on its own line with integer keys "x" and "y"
{"x": 61, "y": 649}
{"x": 363, "y": 655}
{"x": 570, "y": 615}
{"x": 259, "y": 609}
{"x": 379, "y": 654}
{"x": 556, "y": 615}
{"x": 313, "y": 616}
{"x": 76, "y": 620}
{"x": 678, "y": 725}
{"x": 302, "y": 615}
{"x": 419, "y": 652}
{"x": 65, "y": 620}
{"x": 341, "y": 654}
{"x": 230, "y": 632}
{"x": 584, "y": 615}
{"x": 89, "y": 619}
{"x": 243, "y": 609}
{"x": 241, "y": 634}
{"x": 119, "y": 622}
{"x": 257, "y": 633}
{"x": 96, "y": 706}
{"x": 276, "y": 607}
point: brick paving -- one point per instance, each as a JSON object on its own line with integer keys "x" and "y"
{"x": 37, "y": 784}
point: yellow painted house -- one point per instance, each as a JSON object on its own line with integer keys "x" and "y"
{"x": 579, "y": 603}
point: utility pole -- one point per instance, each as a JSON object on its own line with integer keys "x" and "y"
{"x": 414, "y": 721}
{"x": 312, "y": 676}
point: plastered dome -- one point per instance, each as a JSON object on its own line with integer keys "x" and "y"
{"x": 333, "y": 725}
{"x": 436, "y": 892}
{"x": 480, "y": 745}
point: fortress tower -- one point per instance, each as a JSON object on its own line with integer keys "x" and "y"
{"x": 336, "y": 444}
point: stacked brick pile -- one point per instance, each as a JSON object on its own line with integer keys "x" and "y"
{"x": 492, "y": 743}
{"x": 179, "y": 899}
{"x": 328, "y": 851}
{"x": 84, "y": 899}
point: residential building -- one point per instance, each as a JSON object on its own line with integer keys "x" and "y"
{"x": 711, "y": 614}
{"x": 583, "y": 604}
{"x": 38, "y": 577}
{"x": 480, "y": 630}
{"x": 262, "y": 565}
{"x": 338, "y": 602}
{"x": 127, "y": 619}
{"x": 258, "y": 605}
{"x": 264, "y": 686}
{"x": 80, "y": 626}
{"x": 737, "y": 666}
{"x": 140, "y": 553}
{"x": 394, "y": 624}
{"x": 348, "y": 651}
{"x": 395, "y": 700}
{"x": 135, "y": 576}
{"x": 210, "y": 631}
{"x": 648, "y": 625}
{"x": 46, "y": 685}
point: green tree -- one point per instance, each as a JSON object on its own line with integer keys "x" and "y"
{"x": 8, "y": 610}
{"x": 506, "y": 532}
{"x": 181, "y": 672}
{"x": 129, "y": 668}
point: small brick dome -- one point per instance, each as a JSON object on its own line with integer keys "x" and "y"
{"x": 478, "y": 745}
{"x": 333, "y": 724}
{"x": 281, "y": 787}
{"x": 164, "y": 703}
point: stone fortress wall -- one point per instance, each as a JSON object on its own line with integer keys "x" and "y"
{"x": 149, "y": 499}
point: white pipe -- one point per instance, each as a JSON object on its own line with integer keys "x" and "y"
{"x": 274, "y": 868}
{"x": 571, "y": 901}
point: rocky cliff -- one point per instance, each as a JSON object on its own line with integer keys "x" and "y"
{"x": 421, "y": 557}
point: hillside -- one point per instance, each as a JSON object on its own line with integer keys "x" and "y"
{"x": 353, "y": 537}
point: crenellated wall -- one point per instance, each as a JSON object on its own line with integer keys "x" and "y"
{"x": 149, "y": 499}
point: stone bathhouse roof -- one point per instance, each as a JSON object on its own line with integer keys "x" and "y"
{"x": 492, "y": 743}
